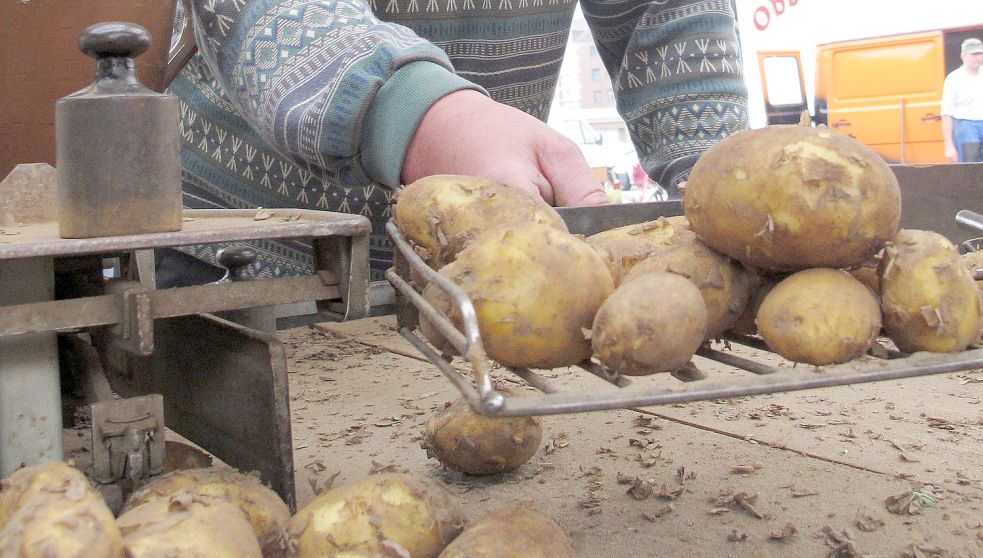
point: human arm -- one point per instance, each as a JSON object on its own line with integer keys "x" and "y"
{"x": 326, "y": 83}
{"x": 468, "y": 133}
{"x": 948, "y": 144}
{"x": 677, "y": 75}
{"x": 947, "y": 108}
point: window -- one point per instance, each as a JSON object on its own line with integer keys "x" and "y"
{"x": 610, "y": 94}
{"x": 784, "y": 83}
{"x": 595, "y": 74}
{"x": 593, "y": 52}
{"x": 598, "y": 96}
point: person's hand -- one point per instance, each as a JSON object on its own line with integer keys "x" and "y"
{"x": 467, "y": 133}
{"x": 951, "y": 154}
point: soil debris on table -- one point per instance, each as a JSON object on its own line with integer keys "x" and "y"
{"x": 913, "y": 501}
{"x": 841, "y": 544}
{"x": 745, "y": 469}
{"x": 787, "y": 532}
{"x": 660, "y": 512}
{"x": 355, "y": 400}
{"x": 739, "y": 500}
{"x": 867, "y": 523}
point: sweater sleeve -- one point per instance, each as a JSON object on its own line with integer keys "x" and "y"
{"x": 324, "y": 81}
{"x": 677, "y": 75}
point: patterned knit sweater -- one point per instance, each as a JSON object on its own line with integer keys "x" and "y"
{"x": 312, "y": 103}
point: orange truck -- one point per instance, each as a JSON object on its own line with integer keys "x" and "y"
{"x": 883, "y": 91}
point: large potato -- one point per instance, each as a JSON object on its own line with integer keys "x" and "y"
{"x": 390, "y": 514}
{"x": 519, "y": 531}
{"x": 819, "y": 316}
{"x": 929, "y": 299}
{"x": 263, "y": 508}
{"x": 478, "y": 445}
{"x": 535, "y": 290}
{"x": 724, "y": 284}
{"x": 786, "y": 198}
{"x": 187, "y": 526}
{"x": 652, "y": 323}
{"x": 624, "y": 247}
{"x": 51, "y": 511}
{"x": 442, "y": 214}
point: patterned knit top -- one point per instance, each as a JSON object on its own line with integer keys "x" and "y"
{"x": 312, "y": 103}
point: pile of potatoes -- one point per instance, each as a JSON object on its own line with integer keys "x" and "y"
{"x": 535, "y": 287}
{"x": 815, "y": 215}
{"x": 788, "y": 232}
{"x": 52, "y": 511}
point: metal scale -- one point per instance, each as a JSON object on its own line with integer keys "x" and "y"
{"x": 201, "y": 360}
{"x": 172, "y": 361}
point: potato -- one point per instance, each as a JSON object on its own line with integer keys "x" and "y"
{"x": 187, "y": 526}
{"x": 478, "y": 445}
{"x": 724, "y": 284}
{"x": 623, "y": 247}
{"x": 652, "y": 323}
{"x": 519, "y": 531}
{"x": 973, "y": 261}
{"x": 51, "y": 510}
{"x": 263, "y": 508}
{"x": 819, "y": 316}
{"x": 929, "y": 299}
{"x": 866, "y": 273}
{"x": 389, "y": 514}
{"x": 441, "y": 301}
{"x": 745, "y": 324}
{"x": 786, "y": 198}
{"x": 535, "y": 290}
{"x": 442, "y": 214}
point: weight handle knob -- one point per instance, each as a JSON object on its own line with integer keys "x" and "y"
{"x": 114, "y": 39}
{"x": 236, "y": 260}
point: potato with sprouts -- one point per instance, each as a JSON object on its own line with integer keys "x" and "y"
{"x": 518, "y": 531}
{"x": 263, "y": 508}
{"x": 819, "y": 316}
{"x": 187, "y": 526}
{"x": 441, "y": 214}
{"x": 51, "y": 510}
{"x": 624, "y": 247}
{"x": 928, "y": 297}
{"x": 652, "y": 323}
{"x": 388, "y": 514}
{"x": 478, "y": 445}
{"x": 724, "y": 284}
{"x": 787, "y": 198}
{"x": 535, "y": 290}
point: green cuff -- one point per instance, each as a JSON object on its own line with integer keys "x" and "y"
{"x": 396, "y": 112}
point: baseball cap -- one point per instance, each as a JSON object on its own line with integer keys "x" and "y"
{"x": 972, "y": 46}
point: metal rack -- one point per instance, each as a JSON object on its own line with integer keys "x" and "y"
{"x": 756, "y": 378}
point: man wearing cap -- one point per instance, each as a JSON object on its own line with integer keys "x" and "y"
{"x": 962, "y": 106}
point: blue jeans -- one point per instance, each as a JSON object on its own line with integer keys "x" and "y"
{"x": 968, "y": 137}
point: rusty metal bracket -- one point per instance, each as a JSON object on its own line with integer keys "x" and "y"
{"x": 341, "y": 255}
{"x": 127, "y": 438}
{"x": 135, "y": 331}
{"x": 225, "y": 389}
